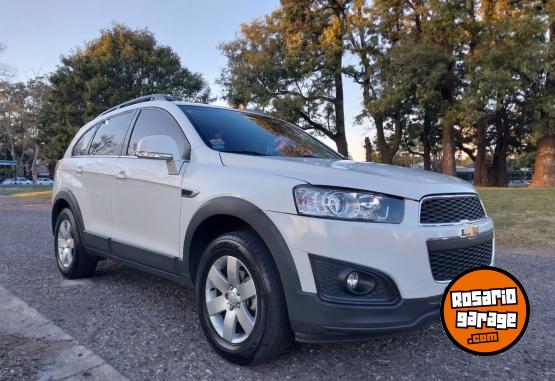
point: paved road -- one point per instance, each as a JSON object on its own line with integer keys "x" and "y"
{"x": 146, "y": 327}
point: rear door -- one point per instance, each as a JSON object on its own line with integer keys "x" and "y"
{"x": 146, "y": 199}
{"x": 95, "y": 174}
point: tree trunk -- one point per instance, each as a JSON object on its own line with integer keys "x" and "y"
{"x": 481, "y": 164}
{"x": 341, "y": 139}
{"x": 383, "y": 147}
{"x": 388, "y": 150}
{"x": 448, "y": 164}
{"x": 544, "y": 168}
{"x": 368, "y": 149}
{"x": 426, "y": 145}
{"x": 34, "y": 164}
{"x": 498, "y": 172}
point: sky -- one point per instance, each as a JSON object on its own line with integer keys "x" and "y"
{"x": 37, "y": 33}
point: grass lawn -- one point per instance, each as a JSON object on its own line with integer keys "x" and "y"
{"x": 37, "y": 192}
{"x": 524, "y": 218}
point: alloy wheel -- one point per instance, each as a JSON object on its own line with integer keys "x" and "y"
{"x": 231, "y": 299}
{"x": 66, "y": 244}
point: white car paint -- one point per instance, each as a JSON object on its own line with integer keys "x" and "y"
{"x": 146, "y": 209}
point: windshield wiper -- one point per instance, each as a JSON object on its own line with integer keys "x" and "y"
{"x": 245, "y": 152}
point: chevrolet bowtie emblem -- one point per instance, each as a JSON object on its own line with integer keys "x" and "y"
{"x": 470, "y": 231}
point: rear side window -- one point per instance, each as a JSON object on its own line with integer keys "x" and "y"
{"x": 156, "y": 122}
{"x": 110, "y": 135}
{"x": 82, "y": 145}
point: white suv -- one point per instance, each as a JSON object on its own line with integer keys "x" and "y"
{"x": 280, "y": 236}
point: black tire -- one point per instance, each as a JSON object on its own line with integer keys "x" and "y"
{"x": 82, "y": 265}
{"x": 271, "y": 334}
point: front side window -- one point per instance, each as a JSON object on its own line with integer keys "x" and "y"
{"x": 155, "y": 122}
{"x": 110, "y": 135}
{"x": 253, "y": 134}
{"x": 82, "y": 145}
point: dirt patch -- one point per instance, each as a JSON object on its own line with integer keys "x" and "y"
{"x": 21, "y": 358}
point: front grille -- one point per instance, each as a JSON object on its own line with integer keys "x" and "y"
{"x": 447, "y": 264}
{"x": 452, "y": 209}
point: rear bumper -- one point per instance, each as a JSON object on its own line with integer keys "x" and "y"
{"x": 318, "y": 321}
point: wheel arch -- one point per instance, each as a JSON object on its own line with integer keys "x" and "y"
{"x": 66, "y": 199}
{"x": 238, "y": 214}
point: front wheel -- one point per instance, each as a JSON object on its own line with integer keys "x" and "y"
{"x": 241, "y": 304}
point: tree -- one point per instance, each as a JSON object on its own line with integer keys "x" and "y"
{"x": 119, "y": 65}
{"x": 6, "y": 71}
{"x": 370, "y": 41}
{"x": 20, "y": 122}
{"x": 408, "y": 73}
{"x": 506, "y": 42}
{"x": 544, "y": 107}
{"x": 290, "y": 63}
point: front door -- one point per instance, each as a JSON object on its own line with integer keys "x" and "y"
{"x": 146, "y": 199}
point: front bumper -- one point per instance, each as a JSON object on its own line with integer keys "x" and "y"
{"x": 317, "y": 321}
{"x": 399, "y": 251}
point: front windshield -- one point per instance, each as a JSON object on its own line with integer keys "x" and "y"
{"x": 253, "y": 134}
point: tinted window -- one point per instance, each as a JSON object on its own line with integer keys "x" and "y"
{"x": 238, "y": 132}
{"x": 109, "y": 136}
{"x": 82, "y": 145}
{"x": 156, "y": 122}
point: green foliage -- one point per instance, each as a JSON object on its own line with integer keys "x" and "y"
{"x": 120, "y": 65}
{"x": 289, "y": 63}
{"x": 21, "y": 104}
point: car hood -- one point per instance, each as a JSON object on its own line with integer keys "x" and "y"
{"x": 382, "y": 178}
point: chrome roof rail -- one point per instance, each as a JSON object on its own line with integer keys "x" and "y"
{"x": 145, "y": 98}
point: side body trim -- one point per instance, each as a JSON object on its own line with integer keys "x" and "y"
{"x": 140, "y": 259}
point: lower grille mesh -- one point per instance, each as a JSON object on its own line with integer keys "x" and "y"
{"x": 447, "y": 264}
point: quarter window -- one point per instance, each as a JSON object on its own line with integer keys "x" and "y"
{"x": 155, "y": 122}
{"x": 110, "y": 135}
{"x": 82, "y": 145}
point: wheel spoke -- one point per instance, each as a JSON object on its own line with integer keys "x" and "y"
{"x": 66, "y": 257}
{"x": 216, "y": 305}
{"x": 247, "y": 290}
{"x": 245, "y": 319}
{"x": 64, "y": 229}
{"x": 218, "y": 280}
{"x": 233, "y": 270}
{"x": 230, "y": 323}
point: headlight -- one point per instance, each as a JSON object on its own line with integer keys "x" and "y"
{"x": 345, "y": 204}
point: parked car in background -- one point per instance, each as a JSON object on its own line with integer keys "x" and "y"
{"x": 44, "y": 181}
{"x": 17, "y": 181}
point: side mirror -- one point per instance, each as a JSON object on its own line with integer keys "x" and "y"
{"x": 158, "y": 147}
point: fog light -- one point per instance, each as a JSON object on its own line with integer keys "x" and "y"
{"x": 352, "y": 281}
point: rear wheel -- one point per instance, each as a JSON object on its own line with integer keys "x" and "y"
{"x": 71, "y": 256}
{"x": 241, "y": 304}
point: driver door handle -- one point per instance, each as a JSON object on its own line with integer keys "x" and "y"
{"x": 79, "y": 169}
{"x": 121, "y": 175}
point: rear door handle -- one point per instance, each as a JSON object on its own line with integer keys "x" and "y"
{"x": 121, "y": 175}
{"x": 79, "y": 169}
